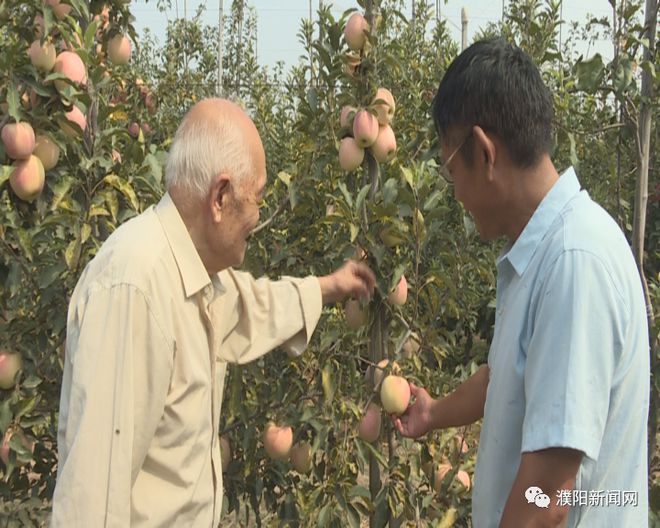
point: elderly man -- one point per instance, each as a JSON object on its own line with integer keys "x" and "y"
{"x": 565, "y": 395}
{"x": 154, "y": 320}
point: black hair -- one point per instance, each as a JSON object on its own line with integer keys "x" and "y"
{"x": 496, "y": 85}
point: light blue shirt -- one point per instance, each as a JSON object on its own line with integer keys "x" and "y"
{"x": 569, "y": 363}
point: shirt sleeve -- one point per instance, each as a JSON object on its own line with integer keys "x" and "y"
{"x": 116, "y": 376}
{"x": 271, "y": 314}
{"x": 579, "y": 327}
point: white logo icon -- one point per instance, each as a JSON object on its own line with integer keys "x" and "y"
{"x": 532, "y": 492}
{"x": 542, "y": 500}
{"x": 535, "y": 494}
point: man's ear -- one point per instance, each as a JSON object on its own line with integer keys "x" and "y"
{"x": 218, "y": 195}
{"x": 485, "y": 150}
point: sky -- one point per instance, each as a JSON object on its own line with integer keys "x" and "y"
{"x": 279, "y": 20}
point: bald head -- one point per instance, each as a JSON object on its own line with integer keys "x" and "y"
{"x": 215, "y": 136}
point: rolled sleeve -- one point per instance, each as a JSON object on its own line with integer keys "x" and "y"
{"x": 116, "y": 375}
{"x": 576, "y": 343}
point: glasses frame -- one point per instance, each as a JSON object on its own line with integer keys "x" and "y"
{"x": 444, "y": 167}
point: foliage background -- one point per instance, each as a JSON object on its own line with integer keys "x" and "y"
{"x": 314, "y": 214}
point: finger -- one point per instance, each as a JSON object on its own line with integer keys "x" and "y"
{"x": 414, "y": 389}
{"x": 397, "y": 425}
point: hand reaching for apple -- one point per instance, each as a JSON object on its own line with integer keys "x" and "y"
{"x": 416, "y": 420}
{"x": 353, "y": 279}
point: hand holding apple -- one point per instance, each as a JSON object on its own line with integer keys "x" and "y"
{"x": 353, "y": 279}
{"x": 416, "y": 420}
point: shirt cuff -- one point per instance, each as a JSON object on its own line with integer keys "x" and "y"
{"x": 309, "y": 290}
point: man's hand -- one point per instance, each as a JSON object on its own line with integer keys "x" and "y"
{"x": 416, "y": 421}
{"x": 354, "y": 279}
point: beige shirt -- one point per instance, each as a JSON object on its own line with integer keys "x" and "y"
{"x": 149, "y": 336}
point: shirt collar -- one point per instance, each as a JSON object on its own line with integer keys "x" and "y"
{"x": 192, "y": 270}
{"x": 520, "y": 253}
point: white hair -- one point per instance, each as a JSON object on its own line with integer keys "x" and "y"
{"x": 203, "y": 148}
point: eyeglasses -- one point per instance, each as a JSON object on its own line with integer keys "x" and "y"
{"x": 444, "y": 167}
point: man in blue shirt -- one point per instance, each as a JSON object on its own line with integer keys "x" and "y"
{"x": 564, "y": 396}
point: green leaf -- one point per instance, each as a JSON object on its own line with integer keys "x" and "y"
{"x": 5, "y": 415}
{"x": 26, "y": 406}
{"x": 354, "y": 232}
{"x": 49, "y": 275}
{"x": 408, "y": 176}
{"x": 359, "y": 491}
{"x": 5, "y": 172}
{"x": 285, "y": 177}
{"x": 32, "y": 382}
{"x": 312, "y": 99}
{"x": 14, "y": 103}
{"x": 72, "y": 253}
{"x": 347, "y": 196}
{"x": 590, "y": 73}
{"x": 328, "y": 383}
{"x": 353, "y": 516}
{"x": 125, "y": 188}
{"x": 362, "y": 195}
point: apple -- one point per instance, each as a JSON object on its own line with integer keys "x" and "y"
{"x": 69, "y": 64}
{"x": 10, "y": 364}
{"x": 27, "y": 178}
{"x": 463, "y": 478}
{"x": 42, "y": 56}
{"x": 355, "y": 315}
{"x": 119, "y": 49}
{"x": 390, "y": 238}
{"x": 350, "y": 154}
{"x": 76, "y": 116}
{"x": 354, "y": 33}
{"x": 18, "y": 139}
{"x": 301, "y": 457}
{"x": 384, "y": 105}
{"x": 346, "y": 116}
{"x": 277, "y": 441}
{"x": 384, "y": 147}
{"x": 365, "y": 128}
{"x": 116, "y": 156}
{"x": 47, "y": 151}
{"x": 369, "y": 428}
{"x": 146, "y": 129}
{"x": 225, "y": 453}
{"x": 134, "y": 129}
{"x": 61, "y": 10}
{"x": 439, "y": 475}
{"x": 398, "y": 296}
{"x": 395, "y": 394}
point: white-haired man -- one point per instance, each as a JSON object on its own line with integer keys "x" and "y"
{"x": 154, "y": 320}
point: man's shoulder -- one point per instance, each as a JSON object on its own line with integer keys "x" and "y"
{"x": 135, "y": 254}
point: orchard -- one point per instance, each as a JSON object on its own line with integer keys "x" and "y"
{"x": 88, "y": 110}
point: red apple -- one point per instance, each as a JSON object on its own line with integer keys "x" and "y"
{"x": 355, "y": 31}
{"x": 385, "y": 145}
{"x": 27, "y": 178}
{"x": 134, "y": 129}
{"x": 69, "y": 64}
{"x": 439, "y": 475}
{"x": 278, "y": 441}
{"x": 18, "y": 139}
{"x": 10, "y": 364}
{"x": 384, "y": 105}
{"x": 301, "y": 457}
{"x": 355, "y": 315}
{"x": 76, "y": 116}
{"x": 47, "y": 151}
{"x": 346, "y": 116}
{"x": 399, "y": 295}
{"x": 351, "y": 154}
{"x": 395, "y": 394}
{"x": 369, "y": 428}
{"x": 42, "y": 56}
{"x": 463, "y": 478}
{"x": 365, "y": 128}
{"x": 119, "y": 49}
